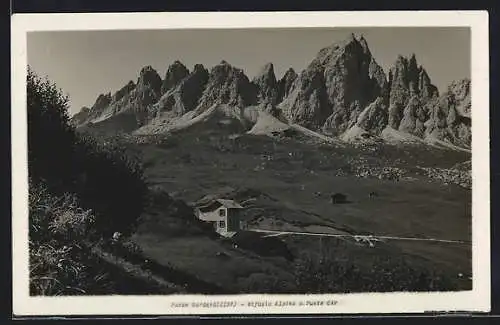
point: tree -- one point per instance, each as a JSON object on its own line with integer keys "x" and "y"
{"x": 50, "y": 136}
{"x": 99, "y": 172}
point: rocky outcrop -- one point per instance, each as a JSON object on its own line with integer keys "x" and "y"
{"x": 380, "y": 86}
{"x": 175, "y": 73}
{"x": 285, "y": 84}
{"x": 81, "y": 117}
{"x": 374, "y": 116}
{"x": 102, "y": 101}
{"x": 408, "y": 82}
{"x": 449, "y": 115}
{"x": 336, "y": 87}
{"x": 459, "y": 91}
{"x": 125, "y": 90}
{"x": 87, "y": 114}
{"x": 134, "y": 99}
{"x": 267, "y": 85}
{"x": 307, "y": 103}
{"x": 146, "y": 93}
{"x": 342, "y": 92}
{"x": 228, "y": 85}
{"x": 186, "y": 95}
{"x": 414, "y": 116}
{"x": 459, "y": 177}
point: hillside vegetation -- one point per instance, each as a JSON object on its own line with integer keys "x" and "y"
{"x": 81, "y": 191}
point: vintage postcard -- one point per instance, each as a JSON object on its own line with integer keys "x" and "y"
{"x": 250, "y": 163}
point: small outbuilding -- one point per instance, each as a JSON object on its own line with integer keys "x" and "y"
{"x": 338, "y": 198}
{"x": 223, "y": 213}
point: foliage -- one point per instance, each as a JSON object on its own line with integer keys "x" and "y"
{"x": 59, "y": 265}
{"x": 324, "y": 274}
{"x": 110, "y": 181}
{"x": 266, "y": 283}
{"x": 50, "y": 137}
{"x": 81, "y": 188}
{"x": 101, "y": 173}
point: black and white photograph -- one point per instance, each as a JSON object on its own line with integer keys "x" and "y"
{"x": 313, "y": 165}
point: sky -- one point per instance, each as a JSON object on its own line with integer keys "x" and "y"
{"x": 85, "y": 64}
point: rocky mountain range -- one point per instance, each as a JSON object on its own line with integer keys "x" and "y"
{"x": 342, "y": 93}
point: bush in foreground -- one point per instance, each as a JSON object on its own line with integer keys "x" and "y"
{"x": 58, "y": 263}
{"x": 111, "y": 182}
{"x": 326, "y": 275}
{"x": 100, "y": 173}
{"x": 81, "y": 189}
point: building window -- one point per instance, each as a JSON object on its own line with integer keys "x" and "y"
{"x": 222, "y": 224}
{"x": 222, "y": 212}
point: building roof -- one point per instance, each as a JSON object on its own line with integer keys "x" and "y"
{"x": 215, "y": 204}
{"x": 230, "y": 204}
{"x": 210, "y": 206}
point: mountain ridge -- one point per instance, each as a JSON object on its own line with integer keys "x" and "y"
{"x": 343, "y": 92}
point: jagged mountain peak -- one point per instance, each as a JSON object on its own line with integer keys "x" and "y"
{"x": 148, "y": 69}
{"x": 266, "y": 70}
{"x": 341, "y": 91}
{"x": 184, "y": 96}
{"x": 364, "y": 45}
{"x": 290, "y": 71}
{"x": 149, "y": 77}
{"x": 199, "y": 67}
{"x": 336, "y": 86}
{"x": 267, "y": 85}
{"x": 175, "y": 73}
{"x": 335, "y": 50}
{"x": 122, "y": 92}
{"x": 285, "y": 83}
{"x": 228, "y": 85}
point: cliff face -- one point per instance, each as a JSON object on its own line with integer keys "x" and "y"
{"x": 342, "y": 91}
{"x": 336, "y": 87}
{"x": 228, "y": 85}
{"x": 186, "y": 93}
{"x": 285, "y": 84}
{"x": 81, "y": 117}
{"x": 267, "y": 86}
{"x": 175, "y": 73}
{"x": 449, "y": 115}
{"x": 410, "y": 89}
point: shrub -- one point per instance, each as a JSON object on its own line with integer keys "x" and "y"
{"x": 101, "y": 173}
{"x": 50, "y": 136}
{"x": 326, "y": 275}
{"x": 58, "y": 263}
{"x": 111, "y": 182}
{"x": 265, "y": 283}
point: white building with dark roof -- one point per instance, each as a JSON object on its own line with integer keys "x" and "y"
{"x": 223, "y": 213}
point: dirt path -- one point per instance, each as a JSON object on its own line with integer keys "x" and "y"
{"x": 156, "y": 277}
{"x": 366, "y": 238}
